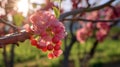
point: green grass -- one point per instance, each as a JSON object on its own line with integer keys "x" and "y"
{"x": 29, "y": 56}
{"x": 107, "y": 52}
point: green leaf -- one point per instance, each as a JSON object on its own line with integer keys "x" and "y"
{"x": 57, "y": 12}
{"x": 34, "y": 5}
{"x": 18, "y": 19}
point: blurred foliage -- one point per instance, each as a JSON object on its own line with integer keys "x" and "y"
{"x": 18, "y": 19}
{"x": 57, "y": 12}
{"x": 27, "y": 55}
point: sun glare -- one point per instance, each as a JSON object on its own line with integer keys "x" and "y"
{"x": 22, "y": 6}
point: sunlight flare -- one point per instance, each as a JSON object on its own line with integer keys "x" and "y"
{"x": 23, "y": 6}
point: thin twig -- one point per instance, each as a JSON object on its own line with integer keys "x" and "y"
{"x": 77, "y": 11}
{"x": 89, "y": 20}
{"x": 87, "y": 1}
{"x": 9, "y": 24}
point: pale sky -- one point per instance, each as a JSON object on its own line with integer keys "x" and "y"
{"x": 66, "y": 4}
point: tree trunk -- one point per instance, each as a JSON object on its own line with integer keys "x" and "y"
{"x": 67, "y": 52}
{"x": 12, "y": 56}
{"x": 5, "y": 59}
{"x": 87, "y": 57}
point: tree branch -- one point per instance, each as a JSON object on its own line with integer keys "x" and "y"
{"x": 23, "y": 35}
{"x": 89, "y": 20}
{"x": 87, "y": 1}
{"x": 77, "y": 11}
{"x": 14, "y": 38}
{"x": 9, "y": 24}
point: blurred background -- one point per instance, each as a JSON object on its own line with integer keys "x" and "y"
{"x": 17, "y": 12}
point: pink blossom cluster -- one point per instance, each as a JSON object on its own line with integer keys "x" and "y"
{"x": 50, "y": 31}
{"x": 103, "y": 31}
{"x": 85, "y": 32}
{"x": 112, "y": 13}
{"x": 87, "y": 29}
{"x": 93, "y": 15}
{"x": 102, "y": 27}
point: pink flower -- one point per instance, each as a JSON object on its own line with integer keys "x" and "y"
{"x": 105, "y": 26}
{"x": 89, "y": 25}
{"x": 51, "y": 55}
{"x": 57, "y": 53}
{"x": 100, "y": 35}
{"x": 49, "y": 29}
{"x": 27, "y": 27}
{"x": 93, "y": 15}
{"x": 45, "y": 24}
{"x": 103, "y": 31}
{"x": 81, "y": 35}
{"x": 85, "y": 32}
{"x": 89, "y": 28}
